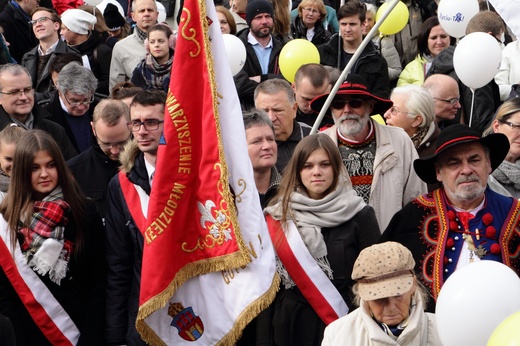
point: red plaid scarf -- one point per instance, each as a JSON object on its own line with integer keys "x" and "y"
{"x": 43, "y": 241}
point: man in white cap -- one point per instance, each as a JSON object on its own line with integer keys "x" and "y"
{"x": 77, "y": 29}
{"x": 130, "y": 51}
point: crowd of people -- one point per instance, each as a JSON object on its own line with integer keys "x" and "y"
{"x": 392, "y": 196}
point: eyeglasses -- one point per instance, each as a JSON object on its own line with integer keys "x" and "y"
{"x": 149, "y": 125}
{"x": 395, "y": 111}
{"x": 352, "y": 103}
{"x": 77, "y": 104}
{"x": 39, "y": 20}
{"x": 311, "y": 10}
{"x": 453, "y": 101}
{"x": 513, "y": 126}
{"x": 109, "y": 146}
{"x": 20, "y": 92}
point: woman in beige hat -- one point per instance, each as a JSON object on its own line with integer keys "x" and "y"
{"x": 391, "y": 302}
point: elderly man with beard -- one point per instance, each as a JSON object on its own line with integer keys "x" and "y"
{"x": 378, "y": 158}
{"x": 464, "y": 221}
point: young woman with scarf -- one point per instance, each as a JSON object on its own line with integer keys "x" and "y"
{"x": 153, "y": 72}
{"x": 318, "y": 226}
{"x": 51, "y": 251}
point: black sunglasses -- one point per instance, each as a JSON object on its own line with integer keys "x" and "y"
{"x": 352, "y": 103}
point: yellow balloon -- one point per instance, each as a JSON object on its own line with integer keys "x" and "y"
{"x": 396, "y": 20}
{"x": 507, "y": 332}
{"x": 296, "y": 53}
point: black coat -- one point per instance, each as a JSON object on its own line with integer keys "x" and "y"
{"x": 43, "y": 86}
{"x": 93, "y": 171}
{"x": 80, "y": 293}
{"x": 124, "y": 244}
{"x": 17, "y": 31}
{"x": 245, "y": 86}
{"x": 370, "y": 64}
{"x": 58, "y": 116}
{"x": 294, "y": 321}
{"x": 99, "y": 57}
{"x": 299, "y": 30}
{"x": 42, "y": 122}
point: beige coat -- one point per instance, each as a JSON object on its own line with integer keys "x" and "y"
{"x": 395, "y": 182}
{"x": 358, "y": 328}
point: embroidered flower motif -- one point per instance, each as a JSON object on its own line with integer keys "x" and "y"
{"x": 487, "y": 219}
{"x": 491, "y": 232}
{"x": 495, "y": 249}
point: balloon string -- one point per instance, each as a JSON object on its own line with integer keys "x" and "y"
{"x": 472, "y": 103}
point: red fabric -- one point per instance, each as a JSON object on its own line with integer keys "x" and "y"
{"x": 307, "y": 287}
{"x": 188, "y": 198}
{"x": 62, "y": 5}
{"x": 37, "y": 312}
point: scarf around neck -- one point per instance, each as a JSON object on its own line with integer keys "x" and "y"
{"x": 311, "y": 215}
{"x": 44, "y": 243}
{"x": 154, "y": 73}
{"x": 508, "y": 173}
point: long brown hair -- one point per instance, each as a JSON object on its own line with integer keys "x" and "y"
{"x": 17, "y": 206}
{"x": 291, "y": 178}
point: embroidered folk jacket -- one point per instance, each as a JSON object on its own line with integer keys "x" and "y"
{"x": 431, "y": 230}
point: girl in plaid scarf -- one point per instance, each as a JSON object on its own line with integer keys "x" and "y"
{"x": 59, "y": 236}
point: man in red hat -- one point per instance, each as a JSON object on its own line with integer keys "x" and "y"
{"x": 378, "y": 158}
{"x": 464, "y": 221}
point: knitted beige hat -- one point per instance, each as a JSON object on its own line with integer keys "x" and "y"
{"x": 384, "y": 270}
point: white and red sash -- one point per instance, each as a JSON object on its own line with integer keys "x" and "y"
{"x": 315, "y": 286}
{"x": 136, "y": 200}
{"x": 45, "y": 310}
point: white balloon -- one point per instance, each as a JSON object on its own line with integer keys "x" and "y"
{"x": 477, "y": 59}
{"x": 162, "y": 12}
{"x": 454, "y": 15}
{"x": 236, "y": 52}
{"x": 474, "y": 301}
{"x": 103, "y": 5}
{"x": 92, "y": 2}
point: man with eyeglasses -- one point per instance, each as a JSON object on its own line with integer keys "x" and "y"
{"x": 17, "y": 32}
{"x": 123, "y": 237}
{"x": 73, "y": 102}
{"x": 94, "y": 167}
{"x": 379, "y": 159}
{"x": 17, "y": 106}
{"x": 446, "y": 99}
{"x": 46, "y": 27}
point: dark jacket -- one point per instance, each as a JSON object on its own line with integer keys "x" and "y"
{"x": 292, "y": 313}
{"x": 286, "y": 148}
{"x": 124, "y": 244}
{"x": 80, "y": 293}
{"x": 370, "y": 64}
{"x": 58, "y": 116}
{"x": 99, "y": 57}
{"x": 42, "y": 121}
{"x": 17, "y": 31}
{"x": 245, "y": 86}
{"x": 299, "y": 30}
{"x": 43, "y": 85}
{"x": 487, "y": 98}
{"x": 93, "y": 171}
